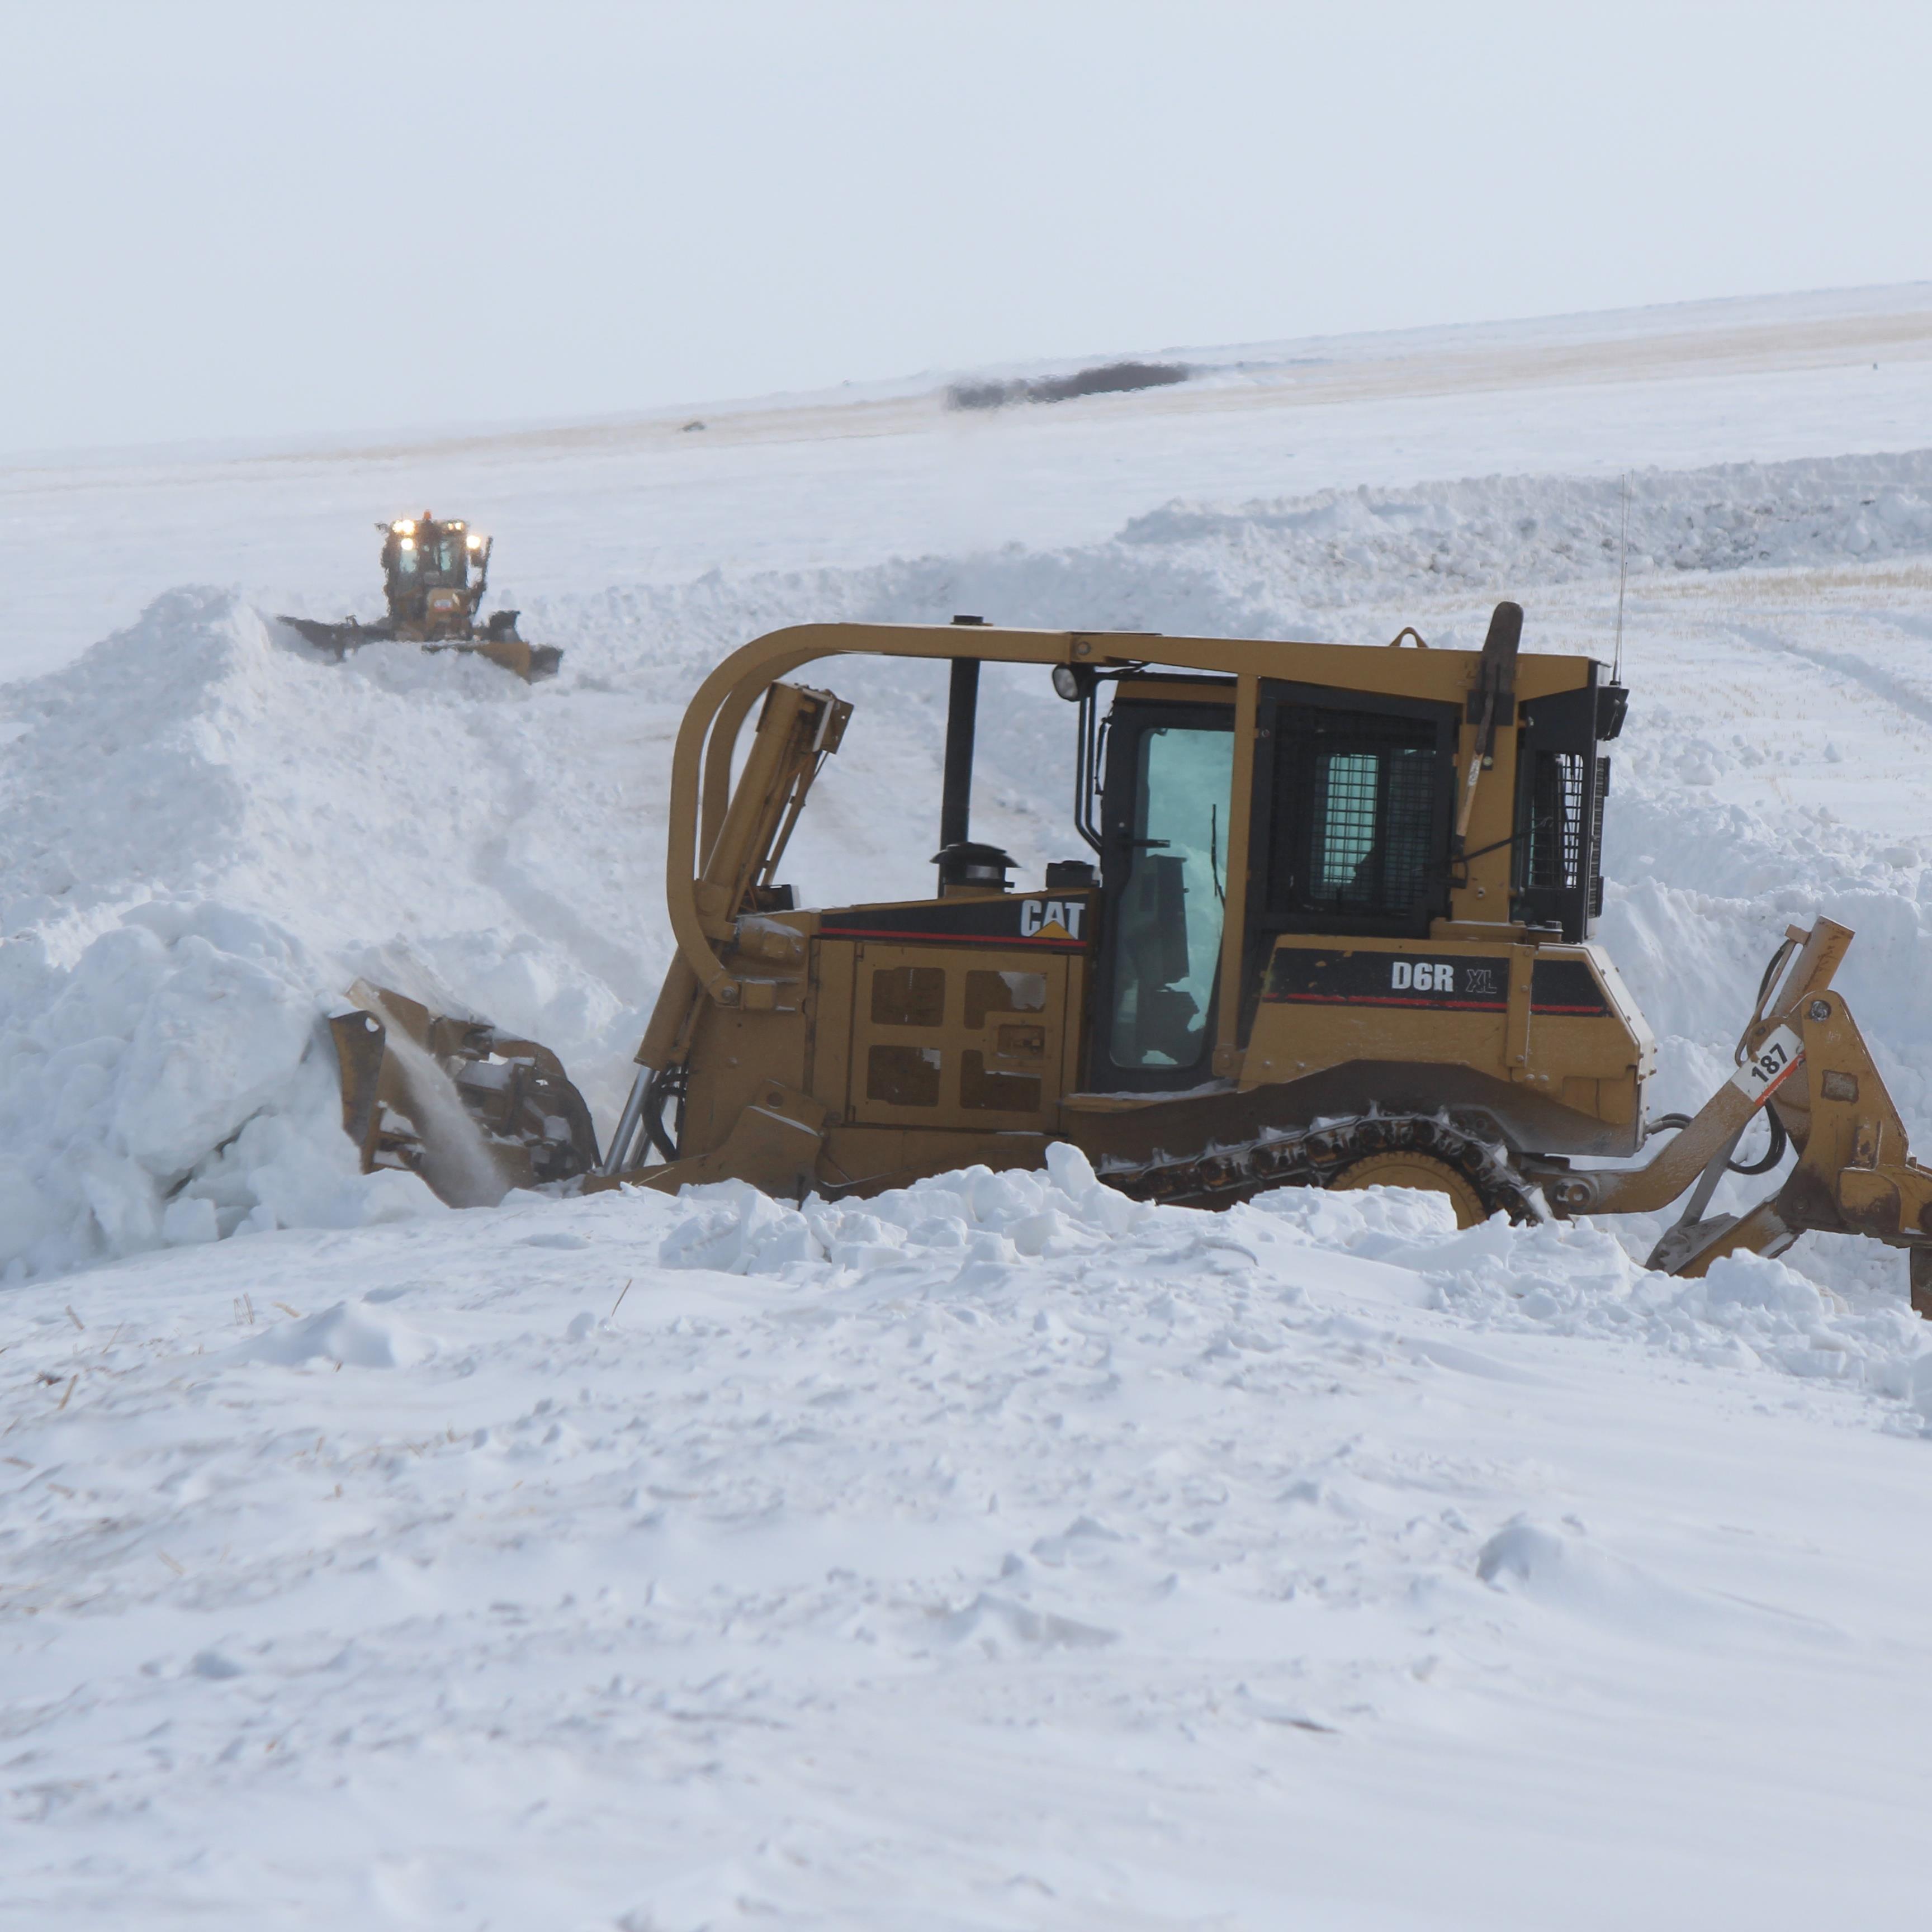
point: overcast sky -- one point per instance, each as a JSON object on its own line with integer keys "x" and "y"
{"x": 224, "y": 220}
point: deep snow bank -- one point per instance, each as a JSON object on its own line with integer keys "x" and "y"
{"x": 1284, "y": 567}
{"x": 393, "y": 811}
{"x": 205, "y": 835}
{"x": 977, "y": 1234}
{"x": 1328, "y": 548}
{"x": 174, "y": 1084}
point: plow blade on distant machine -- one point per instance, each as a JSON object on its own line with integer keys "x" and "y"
{"x": 474, "y": 1111}
{"x": 532, "y": 663}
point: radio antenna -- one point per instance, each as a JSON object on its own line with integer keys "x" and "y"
{"x": 1623, "y": 570}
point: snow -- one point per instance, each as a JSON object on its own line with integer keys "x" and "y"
{"x": 998, "y": 1552}
{"x": 172, "y": 1086}
{"x": 1002, "y": 1553}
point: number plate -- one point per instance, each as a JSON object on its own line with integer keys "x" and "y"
{"x": 1773, "y": 1062}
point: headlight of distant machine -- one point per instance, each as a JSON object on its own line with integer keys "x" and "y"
{"x": 1073, "y": 681}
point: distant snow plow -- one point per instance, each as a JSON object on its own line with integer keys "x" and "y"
{"x": 434, "y": 575}
{"x": 1337, "y": 936}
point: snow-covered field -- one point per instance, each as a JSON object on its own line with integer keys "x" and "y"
{"x": 999, "y": 1555}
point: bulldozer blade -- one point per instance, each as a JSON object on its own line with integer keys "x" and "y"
{"x": 1691, "y": 1246}
{"x": 1919, "y": 1278}
{"x": 475, "y": 1111}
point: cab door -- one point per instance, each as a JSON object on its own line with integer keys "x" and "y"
{"x": 1164, "y": 842}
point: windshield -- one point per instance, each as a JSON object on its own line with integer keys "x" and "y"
{"x": 432, "y": 556}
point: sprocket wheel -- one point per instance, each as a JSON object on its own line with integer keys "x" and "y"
{"x": 1421, "y": 1171}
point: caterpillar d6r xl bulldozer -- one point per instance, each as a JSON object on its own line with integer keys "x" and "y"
{"x": 434, "y": 575}
{"x": 1332, "y": 929}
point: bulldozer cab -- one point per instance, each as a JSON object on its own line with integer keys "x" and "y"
{"x": 1347, "y": 821}
{"x": 428, "y": 574}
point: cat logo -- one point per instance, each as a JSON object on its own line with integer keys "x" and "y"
{"x": 1051, "y": 919}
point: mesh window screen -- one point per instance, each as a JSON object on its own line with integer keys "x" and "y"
{"x": 1360, "y": 790}
{"x": 903, "y": 1076}
{"x": 1561, "y": 779}
{"x": 1555, "y": 856}
{"x": 1597, "y": 839}
{"x": 995, "y": 1092}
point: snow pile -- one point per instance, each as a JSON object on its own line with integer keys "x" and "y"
{"x": 964, "y": 1233}
{"x": 174, "y": 1084}
{"x": 361, "y": 1336}
{"x": 1324, "y": 548}
{"x": 1573, "y": 1279}
{"x": 973, "y": 1216}
{"x": 399, "y": 813}
{"x": 1281, "y": 568}
{"x": 206, "y": 834}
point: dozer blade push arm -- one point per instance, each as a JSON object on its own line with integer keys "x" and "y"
{"x": 1768, "y": 1054}
{"x": 1802, "y": 1054}
{"x": 799, "y": 729}
{"x": 1854, "y": 1173}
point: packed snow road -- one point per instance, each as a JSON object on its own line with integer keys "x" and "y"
{"x": 1001, "y": 1554}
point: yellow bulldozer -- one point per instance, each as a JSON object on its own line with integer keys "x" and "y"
{"x": 1330, "y": 927}
{"x": 433, "y": 577}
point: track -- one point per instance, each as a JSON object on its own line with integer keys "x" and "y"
{"x": 1318, "y": 1156}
